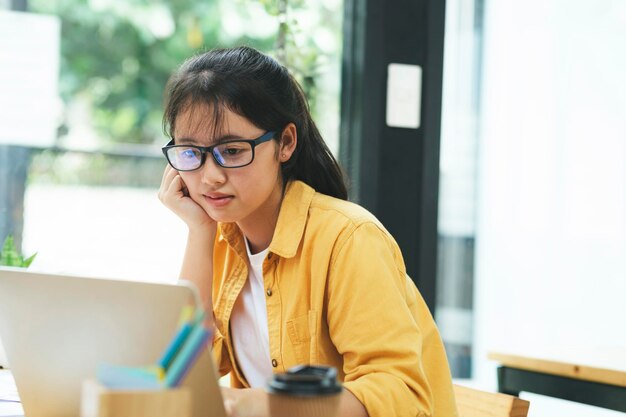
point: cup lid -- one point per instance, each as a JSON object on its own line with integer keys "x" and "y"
{"x": 306, "y": 380}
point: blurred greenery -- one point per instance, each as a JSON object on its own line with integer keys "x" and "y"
{"x": 10, "y": 255}
{"x": 118, "y": 55}
{"x": 296, "y": 49}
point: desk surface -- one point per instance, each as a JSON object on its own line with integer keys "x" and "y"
{"x": 597, "y": 364}
{"x": 9, "y": 400}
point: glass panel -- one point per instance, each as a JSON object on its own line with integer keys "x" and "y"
{"x": 457, "y": 194}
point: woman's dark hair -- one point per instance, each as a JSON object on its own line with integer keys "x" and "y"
{"x": 258, "y": 88}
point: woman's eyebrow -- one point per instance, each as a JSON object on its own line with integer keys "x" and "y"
{"x": 185, "y": 141}
{"x": 228, "y": 136}
{"x": 220, "y": 139}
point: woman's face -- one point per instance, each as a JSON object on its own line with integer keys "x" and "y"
{"x": 230, "y": 194}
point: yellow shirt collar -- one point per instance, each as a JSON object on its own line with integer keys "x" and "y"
{"x": 292, "y": 218}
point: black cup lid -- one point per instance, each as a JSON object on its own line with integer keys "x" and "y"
{"x": 306, "y": 381}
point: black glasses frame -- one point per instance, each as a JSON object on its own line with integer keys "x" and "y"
{"x": 204, "y": 150}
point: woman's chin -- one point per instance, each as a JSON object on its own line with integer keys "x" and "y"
{"x": 220, "y": 216}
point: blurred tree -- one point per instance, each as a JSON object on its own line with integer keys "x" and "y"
{"x": 116, "y": 57}
{"x": 295, "y": 49}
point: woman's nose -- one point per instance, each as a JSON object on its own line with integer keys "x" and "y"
{"x": 212, "y": 173}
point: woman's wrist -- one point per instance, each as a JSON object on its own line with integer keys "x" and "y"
{"x": 198, "y": 264}
{"x": 205, "y": 228}
{"x": 247, "y": 402}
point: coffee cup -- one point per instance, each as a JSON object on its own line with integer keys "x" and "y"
{"x": 305, "y": 391}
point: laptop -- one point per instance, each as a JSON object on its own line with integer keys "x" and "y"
{"x": 56, "y": 329}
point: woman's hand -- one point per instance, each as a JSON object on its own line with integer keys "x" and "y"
{"x": 174, "y": 195}
{"x": 251, "y": 402}
{"x": 197, "y": 263}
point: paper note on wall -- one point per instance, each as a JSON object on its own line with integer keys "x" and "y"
{"x": 404, "y": 95}
{"x": 29, "y": 78}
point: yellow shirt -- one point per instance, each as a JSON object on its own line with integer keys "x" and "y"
{"x": 337, "y": 294}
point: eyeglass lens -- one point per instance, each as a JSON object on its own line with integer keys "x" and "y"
{"x": 231, "y": 154}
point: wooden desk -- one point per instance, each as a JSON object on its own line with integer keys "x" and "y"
{"x": 595, "y": 376}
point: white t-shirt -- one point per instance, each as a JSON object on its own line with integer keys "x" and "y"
{"x": 248, "y": 324}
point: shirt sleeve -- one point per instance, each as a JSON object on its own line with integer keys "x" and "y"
{"x": 220, "y": 354}
{"x": 372, "y": 327}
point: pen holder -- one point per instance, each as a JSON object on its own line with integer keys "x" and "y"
{"x": 99, "y": 401}
{"x": 198, "y": 396}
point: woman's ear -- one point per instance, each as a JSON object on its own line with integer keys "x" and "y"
{"x": 288, "y": 142}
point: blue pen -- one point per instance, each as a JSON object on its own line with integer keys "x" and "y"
{"x": 188, "y": 353}
{"x": 193, "y": 357}
{"x": 179, "y": 339}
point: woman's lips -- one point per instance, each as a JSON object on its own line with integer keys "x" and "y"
{"x": 218, "y": 200}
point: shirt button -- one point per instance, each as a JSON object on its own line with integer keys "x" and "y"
{"x": 274, "y": 363}
{"x": 269, "y": 292}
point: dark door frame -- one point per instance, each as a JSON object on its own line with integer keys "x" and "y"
{"x": 394, "y": 172}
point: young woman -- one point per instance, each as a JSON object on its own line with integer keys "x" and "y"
{"x": 293, "y": 273}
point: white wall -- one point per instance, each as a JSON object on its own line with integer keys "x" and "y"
{"x": 551, "y": 233}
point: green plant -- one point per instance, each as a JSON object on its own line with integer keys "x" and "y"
{"x": 9, "y": 256}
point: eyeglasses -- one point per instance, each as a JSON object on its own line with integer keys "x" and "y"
{"x": 230, "y": 154}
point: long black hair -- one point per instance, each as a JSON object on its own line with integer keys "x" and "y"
{"x": 258, "y": 88}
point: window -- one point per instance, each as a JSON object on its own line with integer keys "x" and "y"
{"x": 90, "y": 204}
